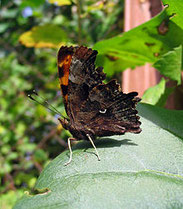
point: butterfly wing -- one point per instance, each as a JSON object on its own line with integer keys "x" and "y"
{"x": 117, "y": 111}
{"x": 77, "y": 75}
{"x": 90, "y": 104}
{"x": 63, "y": 62}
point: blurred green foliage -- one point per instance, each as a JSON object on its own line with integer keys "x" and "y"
{"x": 29, "y": 135}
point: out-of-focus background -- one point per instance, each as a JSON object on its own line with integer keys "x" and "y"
{"x": 31, "y": 33}
{"x": 30, "y": 136}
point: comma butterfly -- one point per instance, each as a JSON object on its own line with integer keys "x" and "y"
{"x": 93, "y": 108}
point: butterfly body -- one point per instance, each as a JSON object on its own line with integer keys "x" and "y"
{"x": 93, "y": 108}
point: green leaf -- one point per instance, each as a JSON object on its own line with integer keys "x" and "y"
{"x": 40, "y": 155}
{"x": 170, "y": 120}
{"x": 48, "y": 35}
{"x": 4, "y": 26}
{"x": 170, "y": 64}
{"x": 158, "y": 94}
{"x": 60, "y": 2}
{"x": 110, "y": 63}
{"x": 8, "y": 199}
{"x": 163, "y": 99}
{"x": 136, "y": 171}
{"x": 8, "y": 13}
{"x": 175, "y": 10}
{"x": 153, "y": 94}
{"x": 145, "y": 43}
{"x": 32, "y": 3}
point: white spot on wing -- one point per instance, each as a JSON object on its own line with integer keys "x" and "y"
{"x": 103, "y": 111}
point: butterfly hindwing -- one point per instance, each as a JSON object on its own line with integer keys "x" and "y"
{"x": 117, "y": 110}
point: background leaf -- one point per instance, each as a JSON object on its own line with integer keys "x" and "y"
{"x": 136, "y": 171}
{"x": 158, "y": 94}
{"x": 170, "y": 64}
{"x": 48, "y": 35}
{"x": 163, "y": 99}
{"x": 153, "y": 94}
{"x": 60, "y": 2}
{"x": 9, "y": 199}
{"x": 175, "y": 9}
{"x": 32, "y": 3}
{"x": 145, "y": 43}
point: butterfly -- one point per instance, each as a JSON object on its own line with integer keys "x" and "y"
{"x": 94, "y": 109}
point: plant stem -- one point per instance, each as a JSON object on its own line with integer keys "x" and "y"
{"x": 79, "y": 21}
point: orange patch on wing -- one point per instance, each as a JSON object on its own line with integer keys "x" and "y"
{"x": 66, "y": 97}
{"x": 63, "y": 68}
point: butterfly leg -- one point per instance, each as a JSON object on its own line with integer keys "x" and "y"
{"x": 93, "y": 146}
{"x": 70, "y": 150}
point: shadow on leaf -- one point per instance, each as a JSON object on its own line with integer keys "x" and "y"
{"x": 104, "y": 143}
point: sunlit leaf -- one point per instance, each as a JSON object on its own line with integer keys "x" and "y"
{"x": 145, "y": 43}
{"x": 8, "y": 199}
{"x": 170, "y": 64}
{"x": 96, "y": 6}
{"x": 175, "y": 10}
{"x": 32, "y": 3}
{"x": 158, "y": 94}
{"x": 163, "y": 99}
{"x": 153, "y": 94}
{"x": 60, "y": 2}
{"x": 108, "y": 65}
{"x": 50, "y": 36}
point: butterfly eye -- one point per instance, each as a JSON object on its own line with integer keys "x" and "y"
{"x": 103, "y": 111}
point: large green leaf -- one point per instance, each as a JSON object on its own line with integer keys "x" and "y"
{"x": 145, "y": 43}
{"x": 175, "y": 9}
{"x": 153, "y": 94}
{"x": 170, "y": 120}
{"x": 170, "y": 64}
{"x": 158, "y": 94}
{"x": 136, "y": 171}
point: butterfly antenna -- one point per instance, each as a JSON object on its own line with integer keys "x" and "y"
{"x": 40, "y": 100}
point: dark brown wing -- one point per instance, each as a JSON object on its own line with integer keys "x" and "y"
{"x": 93, "y": 106}
{"x": 82, "y": 77}
{"x": 117, "y": 111}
